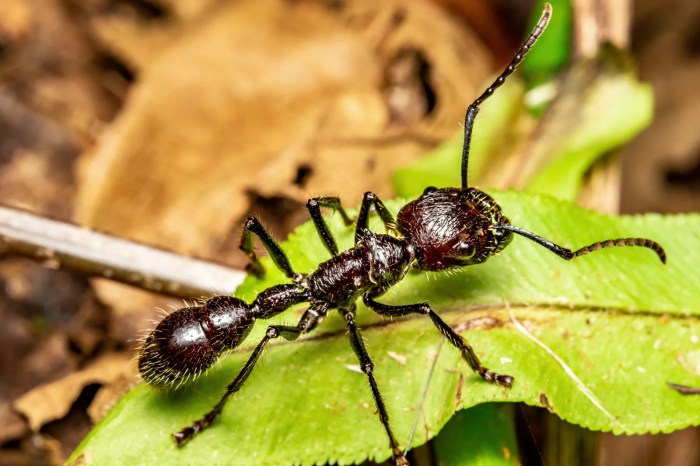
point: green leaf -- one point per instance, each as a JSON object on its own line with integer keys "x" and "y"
{"x": 589, "y": 118}
{"x": 619, "y": 320}
{"x": 481, "y": 436}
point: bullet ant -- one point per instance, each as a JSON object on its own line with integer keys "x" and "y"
{"x": 444, "y": 228}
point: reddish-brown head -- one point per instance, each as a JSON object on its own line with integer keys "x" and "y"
{"x": 452, "y": 227}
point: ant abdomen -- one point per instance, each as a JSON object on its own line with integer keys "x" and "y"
{"x": 188, "y": 341}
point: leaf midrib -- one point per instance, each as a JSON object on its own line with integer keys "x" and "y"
{"x": 386, "y": 322}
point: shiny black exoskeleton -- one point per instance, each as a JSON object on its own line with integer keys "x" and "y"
{"x": 443, "y": 228}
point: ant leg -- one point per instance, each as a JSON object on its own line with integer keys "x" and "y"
{"x": 457, "y": 340}
{"x": 473, "y": 109}
{"x": 314, "y": 206}
{"x": 368, "y": 201}
{"x": 368, "y": 367}
{"x": 311, "y": 318}
{"x": 253, "y": 226}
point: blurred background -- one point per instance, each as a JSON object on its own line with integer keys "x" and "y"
{"x": 167, "y": 122}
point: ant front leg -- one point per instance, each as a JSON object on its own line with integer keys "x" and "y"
{"x": 367, "y": 367}
{"x": 253, "y": 226}
{"x": 314, "y": 206}
{"x": 454, "y": 338}
{"x": 370, "y": 199}
{"x": 311, "y": 318}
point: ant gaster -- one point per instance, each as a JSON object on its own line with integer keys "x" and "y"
{"x": 443, "y": 228}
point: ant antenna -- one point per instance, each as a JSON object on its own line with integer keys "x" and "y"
{"x": 568, "y": 254}
{"x": 473, "y": 109}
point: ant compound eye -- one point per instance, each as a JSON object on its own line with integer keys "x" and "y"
{"x": 466, "y": 249}
{"x": 501, "y": 238}
{"x": 429, "y": 189}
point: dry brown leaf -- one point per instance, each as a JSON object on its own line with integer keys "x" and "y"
{"x": 13, "y": 426}
{"x": 216, "y": 108}
{"x": 137, "y": 43}
{"x": 187, "y": 10}
{"x": 49, "y": 359}
{"x": 358, "y": 133}
{"x": 53, "y": 401}
{"x": 34, "y": 148}
{"x": 15, "y": 21}
{"x": 17, "y": 190}
{"x": 108, "y": 395}
{"x": 134, "y": 312}
{"x": 137, "y": 32}
{"x": 43, "y": 449}
{"x": 52, "y": 67}
{"x": 233, "y": 107}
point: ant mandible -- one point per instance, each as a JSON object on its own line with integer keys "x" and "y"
{"x": 443, "y": 228}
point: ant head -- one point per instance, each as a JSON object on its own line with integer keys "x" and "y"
{"x": 453, "y": 227}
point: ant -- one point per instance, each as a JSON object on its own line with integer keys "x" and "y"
{"x": 444, "y": 228}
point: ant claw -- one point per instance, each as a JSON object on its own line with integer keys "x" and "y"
{"x": 498, "y": 379}
{"x": 182, "y": 437}
{"x": 504, "y": 380}
{"x": 400, "y": 459}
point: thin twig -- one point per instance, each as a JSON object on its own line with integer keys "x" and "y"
{"x": 63, "y": 245}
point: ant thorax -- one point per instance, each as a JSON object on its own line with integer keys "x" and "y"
{"x": 376, "y": 263}
{"x": 453, "y": 227}
{"x": 389, "y": 258}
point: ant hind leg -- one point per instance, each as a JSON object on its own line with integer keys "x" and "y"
{"x": 453, "y": 337}
{"x": 309, "y": 320}
{"x": 367, "y": 367}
